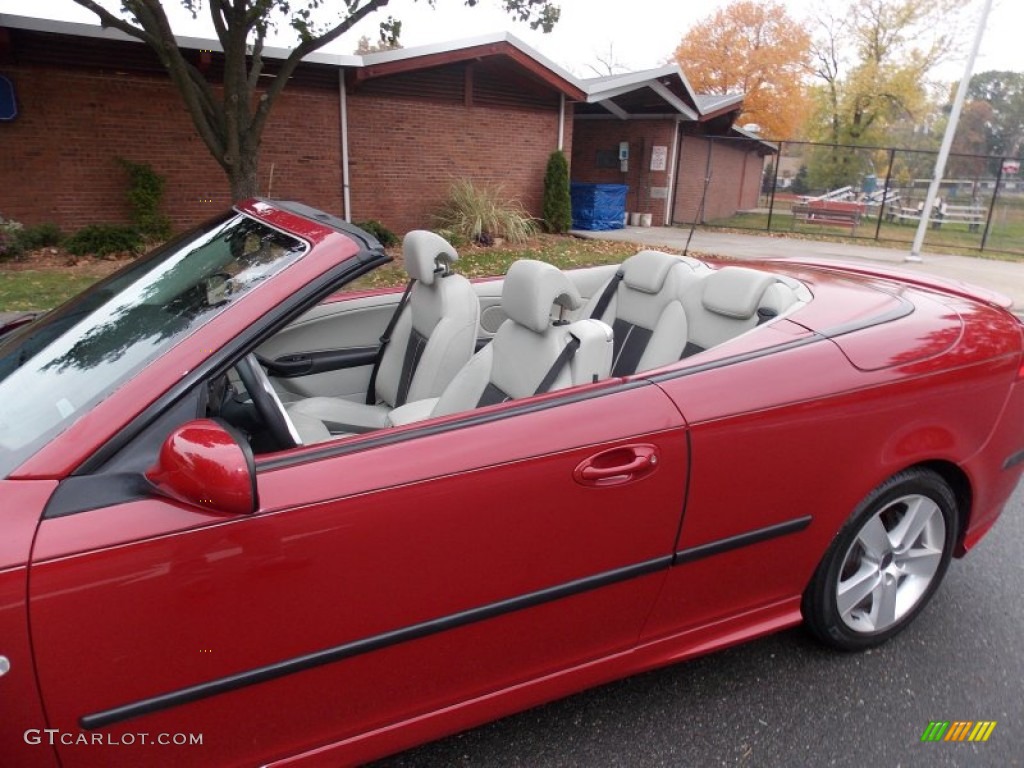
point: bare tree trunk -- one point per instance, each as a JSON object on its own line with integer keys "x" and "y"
{"x": 243, "y": 177}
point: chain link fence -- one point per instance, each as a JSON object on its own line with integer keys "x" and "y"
{"x": 878, "y": 193}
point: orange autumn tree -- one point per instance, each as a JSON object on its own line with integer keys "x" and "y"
{"x": 755, "y": 49}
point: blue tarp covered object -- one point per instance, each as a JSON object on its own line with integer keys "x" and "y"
{"x": 8, "y": 104}
{"x": 598, "y": 206}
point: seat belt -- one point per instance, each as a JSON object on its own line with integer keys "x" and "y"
{"x": 606, "y": 295}
{"x": 371, "y": 392}
{"x": 556, "y": 368}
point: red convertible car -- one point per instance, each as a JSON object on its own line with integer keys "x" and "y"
{"x": 251, "y": 518}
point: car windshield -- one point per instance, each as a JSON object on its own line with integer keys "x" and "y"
{"x": 57, "y": 368}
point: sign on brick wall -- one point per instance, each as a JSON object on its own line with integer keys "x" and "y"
{"x": 8, "y": 104}
{"x": 659, "y": 158}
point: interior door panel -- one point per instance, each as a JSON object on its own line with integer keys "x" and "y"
{"x": 333, "y": 326}
{"x": 360, "y": 322}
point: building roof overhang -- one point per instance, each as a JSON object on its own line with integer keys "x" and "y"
{"x": 366, "y": 66}
{"x": 502, "y": 44}
{"x": 659, "y": 93}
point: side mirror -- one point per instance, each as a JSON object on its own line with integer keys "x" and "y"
{"x": 203, "y": 464}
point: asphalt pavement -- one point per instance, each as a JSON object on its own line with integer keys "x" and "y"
{"x": 786, "y": 701}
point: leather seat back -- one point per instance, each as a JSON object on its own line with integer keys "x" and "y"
{"x": 729, "y": 302}
{"x": 529, "y": 342}
{"x": 646, "y": 312}
{"x": 436, "y": 334}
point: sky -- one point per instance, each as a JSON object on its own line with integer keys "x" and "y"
{"x": 636, "y": 34}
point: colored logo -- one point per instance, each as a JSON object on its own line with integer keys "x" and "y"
{"x": 958, "y": 730}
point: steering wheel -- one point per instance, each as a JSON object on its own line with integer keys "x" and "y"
{"x": 268, "y": 404}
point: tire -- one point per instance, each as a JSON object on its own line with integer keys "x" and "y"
{"x": 885, "y": 564}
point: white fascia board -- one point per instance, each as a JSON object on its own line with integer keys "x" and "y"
{"x": 723, "y": 101}
{"x": 681, "y": 106}
{"x": 76, "y": 29}
{"x": 615, "y": 109}
{"x": 62, "y": 27}
{"x": 686, "y": 84}
{"x": 611, "y": 93}
{"x": 675, "y": 116}
{"x": 599, "y": 89}
{"x": 599, "y": 85}
{"x": 450, "y": 46}
{"x": 774, "y": 146}
{"x": 400, "y": 54}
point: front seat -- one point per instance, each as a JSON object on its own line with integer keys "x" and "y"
{"x": 434, "y": 336}
{"x": 643, "y": 304}
{"x": 532, "y": 352}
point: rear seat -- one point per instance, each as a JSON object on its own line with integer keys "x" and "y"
{"x": 642, "y": 303}
{"x": 729, "y": 302}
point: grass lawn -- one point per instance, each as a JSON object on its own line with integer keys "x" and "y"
{"x": 26, "y": 286}
{"x": 39, "y": 288}
{"x": 1005, "y": 237}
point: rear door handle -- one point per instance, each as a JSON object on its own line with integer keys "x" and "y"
{"x": 617, "y": 466}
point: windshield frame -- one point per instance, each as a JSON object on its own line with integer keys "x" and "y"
{"x": 98, "y": 333}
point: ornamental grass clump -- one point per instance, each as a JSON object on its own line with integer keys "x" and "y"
{"x": 481, "y": 214}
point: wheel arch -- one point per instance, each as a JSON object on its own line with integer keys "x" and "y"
{"x": 819, "y": 604}
{"x": 959, "y": 482}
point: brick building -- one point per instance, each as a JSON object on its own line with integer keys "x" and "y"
{"x": 675, "y": 140}
{"x": 378, "y": 136}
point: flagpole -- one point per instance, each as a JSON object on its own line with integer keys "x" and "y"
{"x": 947, "y": 139}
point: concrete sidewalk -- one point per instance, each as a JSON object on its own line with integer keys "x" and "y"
{"x": 1006, "y": 277}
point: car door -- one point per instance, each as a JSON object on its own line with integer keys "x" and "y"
{"x": 769, "y": 484}
{"x": 22, "y": 738}
{"x": 382, "y": 578}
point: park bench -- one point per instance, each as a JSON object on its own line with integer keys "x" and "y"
{"x": 829, "y": 213}
{"x": 971, "y": 215}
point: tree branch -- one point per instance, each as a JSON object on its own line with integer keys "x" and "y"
{"x": 304, "y": 49}
{"x": 194, "y": 88}
{"x": 107, "y": 19}
{"x": 219, "y": 23}
{"x": 257, "y": 59}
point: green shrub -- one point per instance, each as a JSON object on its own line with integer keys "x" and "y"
{"x": 378, "y": 230}
{"x": 10, "y": 239}
{"x": 103, "y": 239}
{"x": 145, "y": 194}
{"x": 557, "y": 203}
{"x": 455, "y": 239}
{"x": 480, "y": 214}
{"x": 800, "y": 185}
{"x": 40, "y": 236}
